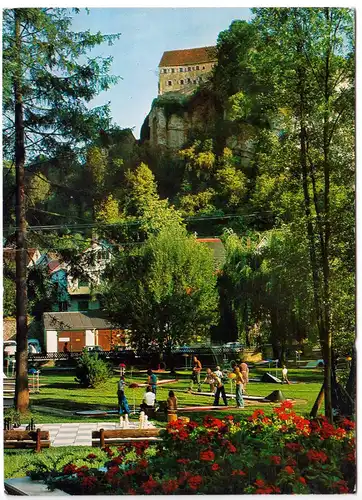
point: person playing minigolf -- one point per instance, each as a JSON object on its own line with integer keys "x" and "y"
{"x": 220, "y": 390}
{"x": 196, "y": 375}
{"x": 152, "y": 380}
{"x": 239, "y": 382}
{"x": 244, "y": 369}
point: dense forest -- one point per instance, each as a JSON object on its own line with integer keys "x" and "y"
{"x": 272, "y": 175}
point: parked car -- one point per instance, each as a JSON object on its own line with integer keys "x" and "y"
{"x": 94, "y": 348}
{"x": 234, "y": 346}
{"x": 10, "y": 347}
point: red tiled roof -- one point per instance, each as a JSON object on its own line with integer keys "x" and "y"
{"x": 53, "y": 264}
{"x": 9, "y": 254}
{"x": 188, "y": 56}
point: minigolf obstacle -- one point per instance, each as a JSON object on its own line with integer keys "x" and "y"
{"x": 269, "y": 378}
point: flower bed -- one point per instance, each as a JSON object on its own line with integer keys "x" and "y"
{"x": 283, "y": 453}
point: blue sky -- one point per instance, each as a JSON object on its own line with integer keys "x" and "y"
{"x": 145, "y": 35}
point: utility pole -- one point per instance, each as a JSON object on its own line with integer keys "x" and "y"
{"x": 21, "y": 382}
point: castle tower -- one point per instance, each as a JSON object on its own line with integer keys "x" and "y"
{"x": 183, "y": 70}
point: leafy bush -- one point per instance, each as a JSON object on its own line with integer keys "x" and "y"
{"x": 284, "y": 453}
{"x": 92, "y": 371}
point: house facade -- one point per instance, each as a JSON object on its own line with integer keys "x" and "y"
{"x": 77, "y": 330}
{"x": 182, "y": 70}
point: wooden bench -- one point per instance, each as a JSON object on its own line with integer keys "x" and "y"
{"x": 27, "y": 439}
{"x": 103, "y": 437}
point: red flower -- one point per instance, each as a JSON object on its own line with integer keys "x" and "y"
{"x": 259, "y": 482}
{"x": 291, "y": 461}
{"x": 117, "y": 460}
{"x": 275, "y": 459}
{"x": 295, "y": 447}
{"x": 69, "y": 469}
{"x": 215, "y": 467}
{"x": 341, "y": 486}
{"x": 207, "y": 456}
{"x": 266, "y": 420}
{"x": 183, "y": 461}
{"x": 231, "y": 448}
{"x": 317, "y": 456}
{"x": 192, "y": 425}
{"x": 131, "y": 491}
{"x": 238, "y": 473}
{"x": 256, "y": 414}
{"x": 194, "y": 482}
{"x": 169, "y": 486}
{"x": 149, "y": 485}
{"x": 91, "y": 456}
{"x": 183, "y": 435}
{"x": 143, "y": 463}
{"x": 288, "y": 469}
{"x": 302, "y": 480}
{"x": 229, "y": 417}
{"x": 89, "y": 482}
{"x": 348, "y": 424}
{"x": 286, "y": 404}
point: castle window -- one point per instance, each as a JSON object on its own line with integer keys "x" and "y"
{"x": 189, "y": 80}
{"x": 189, "y": 68}
{"x": 172, "y": 70}
{"x": 169, "y": 83}
{"x": 195, "y": 81}
{"x": 181, "y": 70}
{"x": 193, "y": 68}
{"x": 197, "y": 67}
{"x": 164, "y": 70}
{"x": 203, "y": 67}
{"x": 181, "y": 82}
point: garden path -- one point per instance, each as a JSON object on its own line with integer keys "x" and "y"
{"x": 78, "y": 434}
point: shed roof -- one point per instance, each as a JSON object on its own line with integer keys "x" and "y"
{"x": 75, "y": 321}
{"x": 188, "y": 56}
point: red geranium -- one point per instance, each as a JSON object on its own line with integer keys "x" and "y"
{"x": 183, "y": 461}
{"x": 317, "y": 456}
{"x": 194, "y": 482}
{"x": 89, "y": 482}
{"x": 207, "y": 456}
{"x": 341, "y": 486}
{"x": 275, "y": 459}
{"x": 91, "y": 456}
{"x": 231, "y": 448}
{"x": 238, "y": 473}
{"x": 256, "y": 414}
{"x": 169, "y": 486}
{"x": 70, "y": 469}
{"x": 302, "y": 480}
{"x": 143, "y": 463}
{"x": 295, "y": 447}
{"x": 149, "y": 485}
{"x": 288, "y": 469}
{"x": 291, "y": 461}
{"x": 215, "y": 467}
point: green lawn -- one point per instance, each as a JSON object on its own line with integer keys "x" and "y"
{"x": 60, "y": 391}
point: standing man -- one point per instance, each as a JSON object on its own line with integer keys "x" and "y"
{"x": 152, "y": 381}
{"x": 239, "y": 380}
{"x": 210, "y": 380}
{"x": 220, "y": 389}
{"x": 196, "y": 375}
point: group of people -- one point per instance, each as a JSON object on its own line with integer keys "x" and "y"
{"x": 216, "y": 381}
{"x": 149, "y": 397}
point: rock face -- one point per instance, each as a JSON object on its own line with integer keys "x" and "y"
{"x": 174, "y": 120}
{"x": 169, "y": 131}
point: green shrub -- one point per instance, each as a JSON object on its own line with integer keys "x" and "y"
{"x": 92, "y": 371}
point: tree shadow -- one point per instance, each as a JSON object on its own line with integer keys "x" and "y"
{"x": 69, "y": 405}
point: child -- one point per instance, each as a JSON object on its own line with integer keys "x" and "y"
{"x": 171, "y": 407}
{"x": 123, "y": 404}
{"x": 285, "y": 375}
{"x": 219, "y": 373}
{"x": 152, "y": 380}
{"x": 210, "y": 380}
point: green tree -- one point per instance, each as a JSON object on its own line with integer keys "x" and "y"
{"x": 164, "y": 291}
{"x": 45, "y": 94}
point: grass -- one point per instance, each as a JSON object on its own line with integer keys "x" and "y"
{"x": 61, "y": 392}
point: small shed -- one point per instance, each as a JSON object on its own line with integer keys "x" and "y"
{"x": 79, "y": 330}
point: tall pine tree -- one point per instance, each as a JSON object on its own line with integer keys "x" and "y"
{"x": 48, "y": 79}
